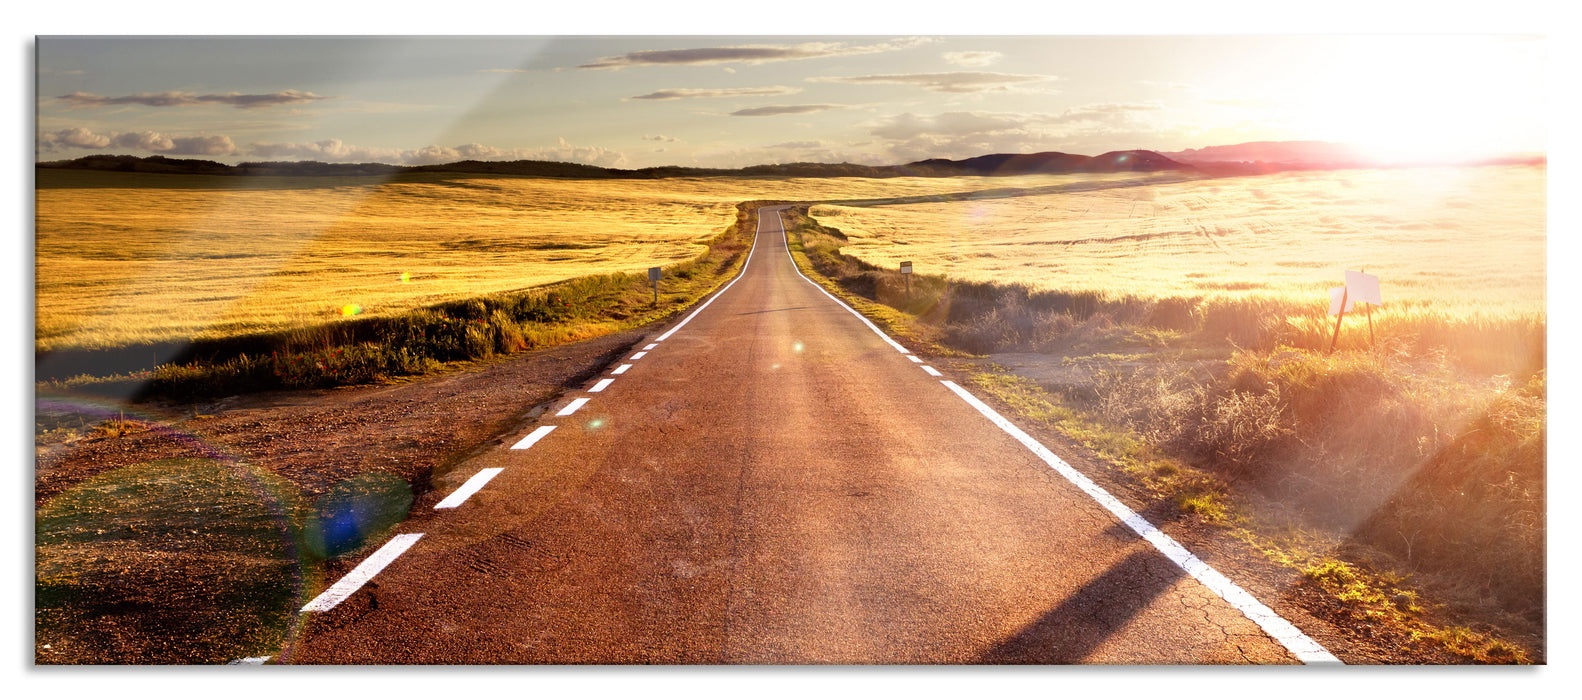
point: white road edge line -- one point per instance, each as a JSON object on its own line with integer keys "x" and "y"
{"x": 1305, "y": 649}
{"x": 478, "y": 481}
{"x": 931, "y": 371}
{"x": 1284, "y": 632}
{"x": 622, "y": 369}
{"x": 638, "y": 356}
{"x": 914, "y": 358}
{"x": 600, "y": 386}
{"x": 533, "y": 437}
{"x": 573, "y": 406}
{"x": 757, "y": 230}
{"x": 786, "y": 237}
{"x": 355, "y": 579}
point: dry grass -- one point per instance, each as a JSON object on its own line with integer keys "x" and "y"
{"x": 1462, "y": 242}
{"x": 127, "y": 259}
{"x": 1193, "y": 317}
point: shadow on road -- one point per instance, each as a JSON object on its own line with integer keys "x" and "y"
{"x": 1071, "y": 632}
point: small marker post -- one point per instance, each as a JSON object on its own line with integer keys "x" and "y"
{"x": 1338, "y": 319}
{"x": 653, "y": 276}
{"x": 906, "y": 274}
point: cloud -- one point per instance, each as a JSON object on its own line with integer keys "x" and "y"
{"x": 334, "y": 150}
{"x": 1089, "y": 129}
{"x": 694, "y": 94}
{"x": 1104, "y": 112}
{"x": 201, "y": 146}
{"x": 84, "y": 100}
{"x": 959, "y": 82}
{"x": 752, "y": 54}
{"x": 973, "y": 59}
{"x": 152, "y": 141}
{"x": 75, "y": 137}
{"x": 331, "y": 150}
{"x": 502, "y": 70}
{"x": 797, "y": 144}
{"x": 776, "y": 110}
{"x": 660, "y": 137}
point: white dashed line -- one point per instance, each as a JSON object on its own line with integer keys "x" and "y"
{"x": 370, "y": 567}
{"x": 533, "y": 437}
{"x": 622, "y": 369}
{"x": 639, "y": 356}
{"x": 468, "y": 489}
{"x": 250, "y": 661}
{"x": 573, "y": 406}
{"x": 1283, "y": 631}
{"x": 650, "y": 346}
{"x": 931, "y": 371}
{"x": 600, "y": 386}
{"x": 914, "y": 359}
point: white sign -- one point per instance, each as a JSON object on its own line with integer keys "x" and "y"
{"x": 1335, "y": 295}
{"x": 906, "y": 267}
{"x": 1359, "y": 287}
{"x": 1363, "y": 287}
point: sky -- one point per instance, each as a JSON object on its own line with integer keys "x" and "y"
{"x": 732, "y": 100}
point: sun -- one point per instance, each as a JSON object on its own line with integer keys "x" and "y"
{"x": 1428, "y": 99}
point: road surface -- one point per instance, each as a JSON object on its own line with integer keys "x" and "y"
{"x": 771, "y": 481}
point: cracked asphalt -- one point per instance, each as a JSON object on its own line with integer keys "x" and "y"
{"x": 774, "y": 484}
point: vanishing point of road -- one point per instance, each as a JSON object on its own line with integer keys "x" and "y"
{"x": 773, "y": 481}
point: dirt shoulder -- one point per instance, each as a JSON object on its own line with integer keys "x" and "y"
{"x": 144, "y": 555}
{"x": 317, "y": 438}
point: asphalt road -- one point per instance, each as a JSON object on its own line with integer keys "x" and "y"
{"x": 775, "y": 483}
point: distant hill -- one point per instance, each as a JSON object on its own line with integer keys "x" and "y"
{"x": 1257, "y": 157}
{"x": 1049, "y": 162}
{"x": 1290, "y": 152}
{"x": 1239, "y": 159}
{"x": 997, "y": 164}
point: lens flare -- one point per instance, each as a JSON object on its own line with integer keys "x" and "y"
{"x": 207, "y": 495}
{"x": 351, "y": 310}
{"x": 406, "y": 278}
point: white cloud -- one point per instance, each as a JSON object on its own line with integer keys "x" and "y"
{"x": 84, "y": 100}
{"x": 973, "y": 59}
{"x": 705, "y": 93}
{"x": 334, "y": 150}
{"x": 1088, "y": 129}
{"x": 75, "y": 137}
{"x": 955, "y": 82}
{"x": 752, "y": 55}
{"x": 776, "y": 110}
{"x": 152, "y": 141}
{"x": 660, "y": 137}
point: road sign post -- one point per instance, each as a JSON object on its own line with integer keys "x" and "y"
{"x": 1360, "y": 288}
{"x": 906, "y": 274}
{"x": 653, "y": 276}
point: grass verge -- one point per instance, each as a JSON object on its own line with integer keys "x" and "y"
{"x": 369, "y": 350}
{"x": 1410, "y": 472}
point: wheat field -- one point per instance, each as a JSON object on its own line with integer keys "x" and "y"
{"x": 1457, "y": 241}
{"x": 135, "y": 258}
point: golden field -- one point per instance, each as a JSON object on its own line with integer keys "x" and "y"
{"x": 134, "y": 258}
{"x": 1458, "y": 241}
